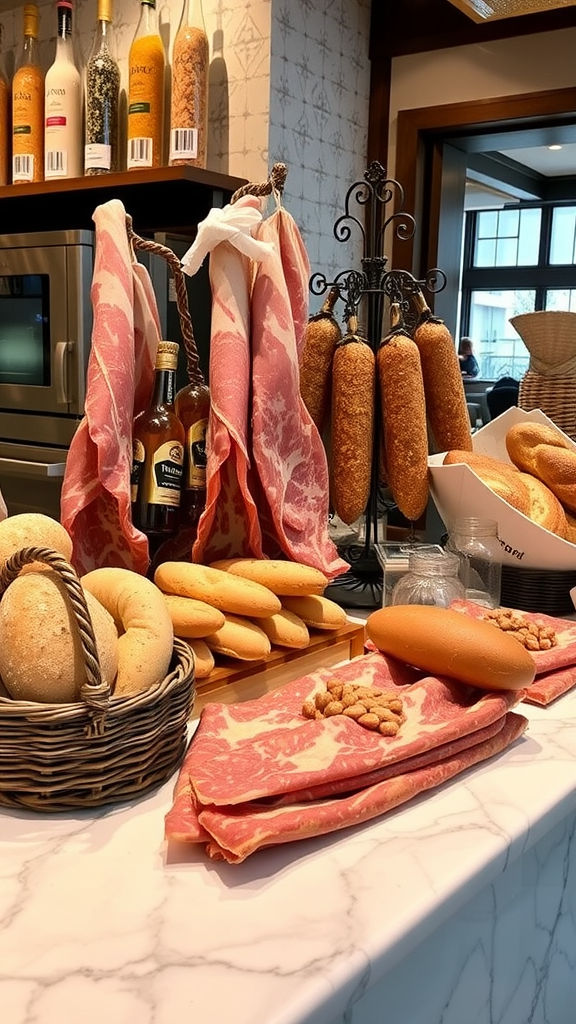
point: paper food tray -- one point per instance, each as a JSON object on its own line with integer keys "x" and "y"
{"x": 457, "y": 491}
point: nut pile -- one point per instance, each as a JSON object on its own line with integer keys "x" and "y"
{"x": 371, "y": 707}
{"x": 534, "y": 636}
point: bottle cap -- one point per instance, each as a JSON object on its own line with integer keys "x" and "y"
{"x": 167, "y": 355}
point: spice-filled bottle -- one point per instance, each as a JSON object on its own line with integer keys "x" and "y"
{"x": 146, "y": 64}
{"x": 102, "y": 98}
{"x": 63, "y": 104}
{"x": 28, "y": 106}
{"x": 158, "y": 454}
{"x": 189, "y": 90}
{"x": 4, "y": 115}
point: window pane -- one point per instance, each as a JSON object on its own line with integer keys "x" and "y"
{"x": 486, "y": 225}
{"x": 563, "y": 232}
{"x": 507, "y": 252}
{"x": 508, "y": 224}
{"x": 485, "y": 255}
{"x": 498, "y": 348}
{"x": 529, "y": 237}
{"x": 563, "y": 299}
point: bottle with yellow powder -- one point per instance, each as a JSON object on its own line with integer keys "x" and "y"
{"x": 146, "y": 63}
{"x": 28, "y": 106}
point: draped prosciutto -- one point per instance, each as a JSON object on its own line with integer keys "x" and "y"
{"x": 258, "y": 773}
{"x": 288, "y": 453}
{"x": 95, "y": 502}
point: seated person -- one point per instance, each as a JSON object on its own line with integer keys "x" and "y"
{"x": 468, "y": 362}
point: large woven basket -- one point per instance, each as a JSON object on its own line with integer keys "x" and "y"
{"x": 103, "y": 749}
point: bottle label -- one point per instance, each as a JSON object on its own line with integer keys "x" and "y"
{"x": 138, "y": 459}
{"x": 196, "y": 449}
{"x": 140, "y": 152}
{"x": 23, "y": 167}
{"x": 183, "y": 143}
{"x": 97, "y": 154}
{"x": 56, "y": 163}
{"x": 166, "y": 476}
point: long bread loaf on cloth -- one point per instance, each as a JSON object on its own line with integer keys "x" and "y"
{"x": 556, "y": 667}
{"x": 95, "y": 502}
{"x": 257, "y": 774}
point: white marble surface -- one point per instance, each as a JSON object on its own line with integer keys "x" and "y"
{"x": 100, "y": 922}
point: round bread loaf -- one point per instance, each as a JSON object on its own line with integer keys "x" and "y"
{"x": 284, "y": 578}
{"x": 239, "y": 638}
{"x": 32, "y": 529}
{"x": 449, "y": 643}
{"x": 316, "y": 611}
{"x": 41, "y": 655}
{"x": 192, "y": 618}
{"x": 146, "y": 638}
{"x": 285, "y": 629}
{"x": 231, "y": 594}
{"x": 203, "y": 658}
{"x": 502, "y": 478}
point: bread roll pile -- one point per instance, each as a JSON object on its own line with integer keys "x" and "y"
{"x": 540, "y": 480}
{"x": 243, "y": 607}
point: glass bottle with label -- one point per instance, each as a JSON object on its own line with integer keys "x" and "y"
{"x": 192, "y": 408}
{"x": 4, "y": 114}
{"x": 146, "y": 63}
{"x": 189, "y": 91}
{"x": 102, "y": 98}
{"x": 158, "y": 454}
{"x": 63, "y": 104}
{"x": 28, "y": 107}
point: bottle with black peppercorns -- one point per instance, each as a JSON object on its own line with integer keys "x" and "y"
{"x": 102, "y": 97}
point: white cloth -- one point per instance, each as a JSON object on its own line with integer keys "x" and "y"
{"x": 235, "y": 224}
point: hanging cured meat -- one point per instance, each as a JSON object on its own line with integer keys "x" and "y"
{"x": 95, "y": 503}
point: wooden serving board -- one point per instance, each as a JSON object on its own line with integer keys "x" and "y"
{"x": 233, "y": 681}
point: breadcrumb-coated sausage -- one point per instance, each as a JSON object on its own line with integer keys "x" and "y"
{"x": 320, "y": 339}
{"x": 353, "y": 390}
{"x": 404, "y": 422}
{"x": 446, "y": 407}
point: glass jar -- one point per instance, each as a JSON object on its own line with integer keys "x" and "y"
{"x": 432, "y": 578}
{"x": 475, "y": 541}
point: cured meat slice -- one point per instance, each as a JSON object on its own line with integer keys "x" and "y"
{"x": 296, "y": 269}
{"x": 229, "y": 525}
{"x": 289, "y": 456}
{"x": 95, "y": 502}
{"x": 238, "y": 832}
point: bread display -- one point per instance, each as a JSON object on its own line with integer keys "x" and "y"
{"x": 286, "y": 629}
{"x": 230, "y": 594}
{"x": 547, "y": 455}
{"x": 317, "y": 611}
{"x": 192, "y": 619}
{"x": 283, "y": 578}
{"x": 41, "y": 657}
{"x": 239, "y": 638}
{"x": 446, "y": 642}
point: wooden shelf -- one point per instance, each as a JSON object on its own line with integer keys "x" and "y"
{"x": 170, "y": 199}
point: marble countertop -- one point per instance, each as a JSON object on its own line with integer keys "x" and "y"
{"x": 99, "y": 921}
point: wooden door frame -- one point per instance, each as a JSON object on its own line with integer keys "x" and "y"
{"x": 421, "y": 133}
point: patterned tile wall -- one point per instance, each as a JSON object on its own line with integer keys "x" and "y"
{"x": 289, "y": 81}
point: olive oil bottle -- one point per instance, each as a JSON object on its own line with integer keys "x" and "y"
{"x": 158, "y": 454}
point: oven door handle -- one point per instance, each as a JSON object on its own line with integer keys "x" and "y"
{"x": 60, "y": 374}
{"x": 37, "y": 470}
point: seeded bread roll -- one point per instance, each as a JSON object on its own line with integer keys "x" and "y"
{"x": 231, "y": 594}
{"x": 316, "y": 611}
{"x": 41, "y": 656}
{"x": 239, "y": 638}
{"x": 285, "y": 629}
{"x": 286, "y": 579}
{"x": 192, "y": 618}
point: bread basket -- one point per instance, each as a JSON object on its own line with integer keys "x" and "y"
{"x": 103, "y": 749}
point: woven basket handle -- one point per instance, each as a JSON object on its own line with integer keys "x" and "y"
{"x": 94, "y": 691}
{"x": 195, "y": 374}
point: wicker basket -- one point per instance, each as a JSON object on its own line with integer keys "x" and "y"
{"x": 103, "y": 749}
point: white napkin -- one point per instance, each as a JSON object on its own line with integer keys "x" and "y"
{"x": 233, "y": 223}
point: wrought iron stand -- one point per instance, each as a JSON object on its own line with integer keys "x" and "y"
{"x": 365, "y": 293}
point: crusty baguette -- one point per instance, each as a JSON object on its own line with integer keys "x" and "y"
{"x": 321, "y": 336}
{"x": 146, "y": 640}
{"x": 231, "y": 594}
{"x": 239, "y": 638}
{"x": 404, "y": 423}
{"x": 282, "y": 577}
{"x": 446, "y": 407}
{"x": 352, "y": 428}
